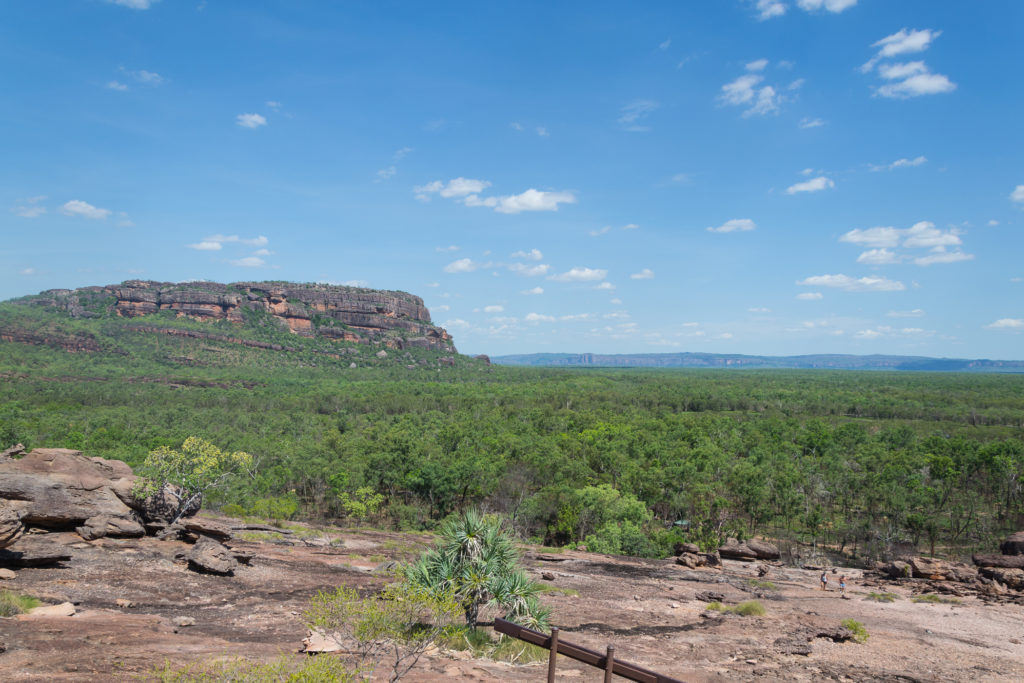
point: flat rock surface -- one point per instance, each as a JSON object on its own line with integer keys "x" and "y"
{"x": 647, "y": 608}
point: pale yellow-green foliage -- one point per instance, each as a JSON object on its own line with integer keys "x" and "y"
{"x": 285, "y": 669}
{"x": 399, "y": 624}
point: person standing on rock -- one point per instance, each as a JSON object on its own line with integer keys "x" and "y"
{"x": 842, "y": 584}
{"x": 824, "y": 580}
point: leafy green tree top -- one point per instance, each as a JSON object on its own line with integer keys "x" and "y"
{"x": 192, "y": 471}
{"x": 477, "y": 561}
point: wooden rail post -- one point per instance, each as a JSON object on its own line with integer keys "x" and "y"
{"x": 609, "y": 663}
{"x": 553, "y": 655}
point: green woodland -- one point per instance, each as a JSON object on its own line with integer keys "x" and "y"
{"x": 621, "y": 461}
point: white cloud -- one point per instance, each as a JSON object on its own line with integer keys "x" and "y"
{"x": 146, "y": 77}
{"x": 252, "y": 242}
{"x": 770, "y": 8}
{"x": 27, "y": 271}
{"x": 921, "y": 84}
{"x": 116, "y": 85}
{"x": 276, "y": 106}
{"x": 925, "y": 234}
{"x": 442, "y": 308}
{"x": 813, "y": 185}
{"x": 77, "y": 207}
{"x": 757, "y": 65}
{"x": 993, "y": 223}
{"x": 29, "y": 207}
{"x": 248, "y": 262}
{"x": 357, "y": 283}
{"x": 1018, "y": 194}
{"x": 915, "y": 313}
{"x": 529, "y": 271}
{"x": 873, "y": 237}
{"x": 906, "y": 42}
{"x": 576, "y": 316}
{"x": 464, "y": 265}
{"x": 850, "y": 284}
{"x": 385, "y": 173}
{"x": 943, "y": 256}
{"x": 810, "y": 296}
{"x": 759, "y": 309}
{"x": 262, "y": 252}
{"x": 458, "y": 322}
{"x": 735, "y": 225}
{"x": 515, "y": 125}
{"x": 450, "y": 247}
{"x": 743, "y": 92}
{"x": 868, "y": 334}
{"x": 495, "y": 308}
{"x": 878, "y": 257}
{"x": 901, "y": 163}
{"x": 399, "y": 153}
{"x": 634, "y": 112}
{"x": 538, "y": 318}
{"x": 665, "y": 45}
{"x": 532, "y": 255}
{"x": 616, "y": 301}
{"x": 892, "y": 72}
{"x": 645, "y": 274}
{"x": 913, "y": 79}
{"x": 134, "y": 4}
{"x": 533, "y": 292}
{"x": 460, "y": 187}
{"x": 834, "y": 6}
{"x": 605, "y": 286}
{"x": 630, "y": 226}
{"x": 605, "y": 230}
{"x": 543, "y": 132}
{"x": 616, "y": 315}
{"x": 797, "y": 84}
{"x": 579, "y": 274}
{"x": 530, "y": 200}
{"x": 808, "y": 122}
{"x": 250, "y": 120}
{"x": 205, "y": 246}
{"x": 1007, "y": 324}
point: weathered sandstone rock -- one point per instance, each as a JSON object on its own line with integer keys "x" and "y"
{"x": 1006, "y": 561}
{"x": 1013, "y": 545}
{"x": 211, "y": 556}
{"x": 11, "y": 527}
{"x": 748, "y": 551}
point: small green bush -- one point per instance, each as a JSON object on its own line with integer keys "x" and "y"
{"x": 716, "y": 607}
{"x": 882, "y": 597}
{"x": 750, "y": 608}
{"x": 12, "y": 603}
{"x": 933, "y": 599}
{"x": 765, "y": 585}
{"x": 285, "y": 669}
{"x": 233, "y": 510}
{"x": 860, "y": 634}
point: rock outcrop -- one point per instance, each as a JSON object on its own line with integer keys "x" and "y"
{"x": 61, "y": 488}
{"x": 208, "y": 555}
{"x": 748, "y": 551}
{"x": 11, "y": 527}
{"x": 1013, "y": 545}
{"x": 395, "y": 319}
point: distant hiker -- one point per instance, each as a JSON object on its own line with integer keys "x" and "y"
{"x": 824, "y": 581}
{"x": 842, "y": 585}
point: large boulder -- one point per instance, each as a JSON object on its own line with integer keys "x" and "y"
{"x": 11, "y": 527}
{"x": 1013, "y": 545}
{"x": 208, "y": 555}
{"x": 1011, "y": 578}
{"x": 61, "y": 488}
{"x": 748, "y": 551}
{"x": 927, "y": 568}
{"x": 1005, "y": 561}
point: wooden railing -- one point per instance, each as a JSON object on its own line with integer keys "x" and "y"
{"x": 593, "y": 658}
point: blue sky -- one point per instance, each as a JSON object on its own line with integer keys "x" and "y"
{"x": 750, "y": 176}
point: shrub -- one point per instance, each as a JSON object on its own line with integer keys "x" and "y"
{"x": 750, "y": 608}
{"x": 12, "y": 603}
{"x": 882, "y": 597}
{"x": 758, "y": 583}
{"x": 284, "y": 669}
{"x": 932, "y": 598}
{"x": 477, "y": 561}
{"x": 860, "y": 634}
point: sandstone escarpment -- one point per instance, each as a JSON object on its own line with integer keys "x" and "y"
{"x": 395, "y": 319}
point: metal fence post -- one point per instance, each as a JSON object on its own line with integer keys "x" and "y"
{"x": 609, "y": 664}
{"x": 553, "y": 655}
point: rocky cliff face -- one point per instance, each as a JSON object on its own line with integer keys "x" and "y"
{"x": 395, "y": 319}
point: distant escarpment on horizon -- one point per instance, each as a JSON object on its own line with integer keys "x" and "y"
{"x": 722, "y": 360}
{"x": 393, "y": 319}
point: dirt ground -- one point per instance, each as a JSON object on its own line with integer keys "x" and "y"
{"x": 646, "y": 608}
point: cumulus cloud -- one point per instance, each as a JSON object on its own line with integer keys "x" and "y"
{"x": 494, "y": 308}
{"x": 450, "y": 247}
{"x": 735, "y": 225}
{"x": 235, "y": 239}
{"x": 814, "y": 185}
{"x": 464, "y": 265}
{"x": 250, "y": 120}
{"x": 134, "y": 4}
{"x": 808, "y": 122}
{"x": 834, "y": 6}
{"x": 1007, "y": 324}
{"x": 768, "y": 9}
{"x": 878, "y": 257}
{"x": 851, "y": 284}
{"x": 385, "y": 173}
{"x": 77, "y": 207}
{"x": 900, "y": 163}
{"x": 746, "y": 91}
{"x": 757, "y": 65}
{"x": 529, "y": 271}
{"x": 248, "y": 262}
{"x": 630, "y": 226}
{"x": 579, "y": 274}
{"x": 645, "y": 274}
{"x": 810, "y": 296}
{"x": 532, "y": 255}
{"x": 915, "y": 313}
{"x": 29, "y": 207}
{"x": 530, "y": 200}
{"x": 940, "y": 255}
{"x": 873, "y": 237}
{"x": 539, "y": 318}
{"x": 1018, "y": 194}
{"x": 533, "y": 292}
{"x": 925, "y": 234}
{"x": 909, "y": 79}
{"x": 205, "y": 246}
{"x": 601, "y": 231}
{"x": 605, "y": 286}
{"x": 116, "y": 85}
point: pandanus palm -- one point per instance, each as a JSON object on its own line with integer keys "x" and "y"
{"x": 478, "y": 561}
